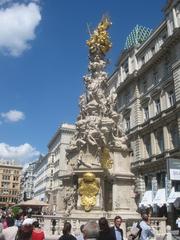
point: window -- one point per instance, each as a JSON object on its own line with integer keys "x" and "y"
{"x": 127, "y": 123}
{"x": 171, "y": 98}
{"x": 167, "y": 67}
{"x": 120, "y": 100}
{"x": 125, "y": 66}
{"x": 176, "y": 185}
{"x": 153, "y": 50}
{"x": 127, "y": 97}
{"x": 164, "y": 37}
{"x": 174, "y": 137}
{"x": 148, "y": 182}
{"x": 142, "y": 60}
{"x": 159, "y": 141}
{"x": 155, "y": 77}
{"x": 146, "y": 113}
{"x": 157, "y": 106}
{"x": 145, "y": 86}
{"x": 161, "y": 179}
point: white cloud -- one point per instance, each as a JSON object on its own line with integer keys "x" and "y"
{"x": 13, "y": 116}
{"x": 17, "y": 27}
{"x": 22, "y": 154}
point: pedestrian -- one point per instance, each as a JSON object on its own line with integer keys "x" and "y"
{"x": 91, "y": 230}
{"x": 11, "y": 230}
{"x": 25, "y": 231}
{"x": 4, "y": 222}
{"x": 105, "y": 232}
{"x": 146, "y": 230}
{"x": 116, "y": 230}
{"x": 81, "y": 235}
{"x": 67, "y": 232}
{"x": 178, "y": 224}
{"x": 37, "y": 233}
{"x": 1, "y": 233}
{"x": 19, "y": 220}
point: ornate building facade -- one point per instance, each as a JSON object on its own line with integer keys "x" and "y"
{"x": 57, "y": 165}
{"x": 40, "y": 178}
{"x": 10, "y": 173}
{"x": 147, "y": 81}
{"x": 27, "y": 182}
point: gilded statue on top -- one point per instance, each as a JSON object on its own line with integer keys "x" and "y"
{"x": 100, "y": 39}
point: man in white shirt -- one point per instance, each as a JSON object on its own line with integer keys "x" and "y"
{"x": 146, "y": 230}
{"x": 116, "y": 231}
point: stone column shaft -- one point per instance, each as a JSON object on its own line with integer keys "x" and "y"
{"x": 166, "y": 138}
{"x": 153, "y": 143}
{"x": 175, "y": 18}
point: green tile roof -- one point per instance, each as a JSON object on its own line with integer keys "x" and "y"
{"x": 138, "y": 35}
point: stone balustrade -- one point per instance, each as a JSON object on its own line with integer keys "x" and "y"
{"x": 53, "y": 224}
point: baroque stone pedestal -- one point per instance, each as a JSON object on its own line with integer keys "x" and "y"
{"x": 99, "y": 182}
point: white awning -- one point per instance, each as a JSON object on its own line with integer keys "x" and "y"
{"x": 146, "y": 200}
{"x": 173, "y": 196}
{"x": 160, "y": 198}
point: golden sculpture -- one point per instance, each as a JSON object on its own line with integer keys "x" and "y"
{"x": 88, "y": 189}
{"x": 100, "y": 39}
{"x": 106, "y": 161}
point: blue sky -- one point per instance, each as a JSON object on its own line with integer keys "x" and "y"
{"x": 43, "y": 57}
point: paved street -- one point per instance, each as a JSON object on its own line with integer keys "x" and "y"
{"x": 175, "y": 236}
{"x": 54, "y": 237}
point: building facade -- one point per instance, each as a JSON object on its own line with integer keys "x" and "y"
{"x": 10, "y": 173}
{"x": 27, "y": 182}
{"x": 40, "y": 178}
{"x": 57, "y": 165}
{"x": 147, "y": 83}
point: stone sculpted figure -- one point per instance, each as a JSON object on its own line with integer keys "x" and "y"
{"x": 69, "y": 199}
{"x": 82, "y": 104}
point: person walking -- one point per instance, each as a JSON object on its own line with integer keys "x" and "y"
{"x": 178, "y": 224}
{"x": 146, "y": 230}
{"x": 11, "y": 230}
{"x": 105, "y": 232}
{"x": 91, "y": 230}
{"x": 81, "y": 235}
{"x": 67, "y": 232}
{"x": 37, "y": 233}
{"x": 116, "y": 230}
{"x": 25, "y": 231}
{"x": 1, "y": 234}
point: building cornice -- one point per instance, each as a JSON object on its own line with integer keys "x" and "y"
{"x": 10, "y": 166}
{"x": 59, "y": 132}
{"x": 170, "y": 4}
{"x": 166, "y": 116}
{"x": 153, "y": 36}
{"x": 175, "y": 37}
